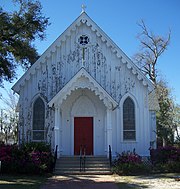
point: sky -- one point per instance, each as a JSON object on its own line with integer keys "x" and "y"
{"x": 118, "y": 19}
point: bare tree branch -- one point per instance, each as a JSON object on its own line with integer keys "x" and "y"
{"x": 152, "y": 47}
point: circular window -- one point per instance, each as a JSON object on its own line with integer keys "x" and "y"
{"x": 83, "y": 40}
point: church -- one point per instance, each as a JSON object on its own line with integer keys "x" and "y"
{"x": 84, "y": 92}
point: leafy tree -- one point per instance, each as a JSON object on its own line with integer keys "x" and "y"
{"x": 9, "y": 118}
{"x": 152, "y": 47}
{"x": 165, "y": 115}
{"x": 18, "y": 30}
{"x": 177, "y": 123}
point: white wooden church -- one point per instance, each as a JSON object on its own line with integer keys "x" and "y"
{"x": 85, "y": 91}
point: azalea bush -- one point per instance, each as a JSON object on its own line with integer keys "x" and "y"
{"x": 129, "y": 163}
{"x": 166, "y": 159}
{"x": 6, "y": 157}
{"x": 30, "y": 158}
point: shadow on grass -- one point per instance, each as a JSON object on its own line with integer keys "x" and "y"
{"x": 124, "y": 185}
{"x": 81, "y": 181}
{"x": 21, "y": 181}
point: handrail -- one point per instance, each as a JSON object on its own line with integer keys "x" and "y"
{"x": 80, "y": 153}
{"x": 55, "y": 157}
{"x": 82, "y": 158}
{"x": 110, "y": 156}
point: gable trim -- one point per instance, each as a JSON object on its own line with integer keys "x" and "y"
{"x": 84, "y": 19}
{"x": 83, "y": 80}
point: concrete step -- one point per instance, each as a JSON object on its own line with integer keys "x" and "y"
{"x": 76, "y": 158}
{"x": 82, "y": 172}
{"x": 78, "y": 165}
{"x": 93, "y": 165}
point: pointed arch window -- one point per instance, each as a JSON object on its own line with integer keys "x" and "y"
{"x": 38, "y": 133}
{"x": 129, "y": 129}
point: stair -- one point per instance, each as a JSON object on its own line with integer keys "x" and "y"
{"x": 93, "y": 165}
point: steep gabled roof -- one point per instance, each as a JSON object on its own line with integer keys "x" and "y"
{"x": 83, "y": 80}
{"x": 84, "y": 19}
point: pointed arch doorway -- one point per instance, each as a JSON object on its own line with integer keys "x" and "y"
{"x": 83, "y": 135}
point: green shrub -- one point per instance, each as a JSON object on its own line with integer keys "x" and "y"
{"x": 166, "y": 159}
{"x": 165, "y": 154}
{"x": 36, "y": 146}
{"x": 129, "y": 163}
{"x": 170, "y": 167}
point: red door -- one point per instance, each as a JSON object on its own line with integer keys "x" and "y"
{"x": 83, "y": 135}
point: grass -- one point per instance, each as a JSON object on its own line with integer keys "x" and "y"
{"x": 21, "y": 181}
{"x": 124, "y": 185}
{"x": 145, "y": 181}
{"x": 128, "y": 184}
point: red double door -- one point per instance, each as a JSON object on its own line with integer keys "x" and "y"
{"x": 83, "y": 135}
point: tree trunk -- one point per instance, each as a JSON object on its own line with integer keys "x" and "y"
{"x": 164, "y": 142}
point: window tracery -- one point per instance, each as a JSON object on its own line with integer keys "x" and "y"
{"x": 129, "y": 130}
{"x": 38, "y": 133}
{"x": 83, "y": 40}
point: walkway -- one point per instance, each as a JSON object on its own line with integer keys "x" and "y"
{"x": 81, "y": 182}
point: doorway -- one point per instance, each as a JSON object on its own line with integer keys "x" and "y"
{"x": 83, "y": 135}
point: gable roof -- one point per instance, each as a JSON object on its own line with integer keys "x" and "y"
{"x": 84, "y": 19}
{"x": 83, "y": 80}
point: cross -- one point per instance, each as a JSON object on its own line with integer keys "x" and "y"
{"x": 83, "y": 8}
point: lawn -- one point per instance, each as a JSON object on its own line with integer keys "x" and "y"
{"x": 21, "y": 181}
{"x": 158, "y": 181}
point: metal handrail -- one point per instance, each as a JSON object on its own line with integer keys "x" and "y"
{"x": 55, "y": 157}
{"x": 80, "y": 153}
{"x": 110, "y": 156}
{"x": 82, "y": 159}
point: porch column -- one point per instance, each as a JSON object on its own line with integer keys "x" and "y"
{"x": 57, "y": 130}
{"x": 109, "y": 131}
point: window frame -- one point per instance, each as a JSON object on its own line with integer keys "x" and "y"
{"x": 83, "y": 45}
{"x": 135, "y": 120}
{"x": 36, "y": 130}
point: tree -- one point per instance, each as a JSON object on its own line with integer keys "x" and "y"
{"x": 165, "y": 115}
{"x": 177, "y": 123}
{"x": 9, "y": 118}
{"x": 152, "y": 47}
{"x": 18, "y": 30}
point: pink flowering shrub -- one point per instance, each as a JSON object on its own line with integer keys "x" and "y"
{"x": 166, "y": 159}
{"x": 129, "y": 163}
{"x": 165, "y": 154}
{"x": 27, "y": 159}
{"x": 129, "y": 157}
{"x": 5, "y": 153}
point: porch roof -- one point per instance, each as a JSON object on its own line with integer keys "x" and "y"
{"x": 83, "y": 80}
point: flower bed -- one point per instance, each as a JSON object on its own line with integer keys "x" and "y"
{"x": 163, "y": 160}
{"x": 129, "y": 163}
{"x": 166, "y": 159}
{"x": 31, "y": 158}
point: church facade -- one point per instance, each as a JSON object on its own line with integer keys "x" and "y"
{"x": 84, "y": 92}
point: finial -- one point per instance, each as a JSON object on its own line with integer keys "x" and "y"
{"x": 83, "y": 8}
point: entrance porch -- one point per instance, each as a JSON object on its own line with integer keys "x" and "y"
{"x": 83, "y": 113}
